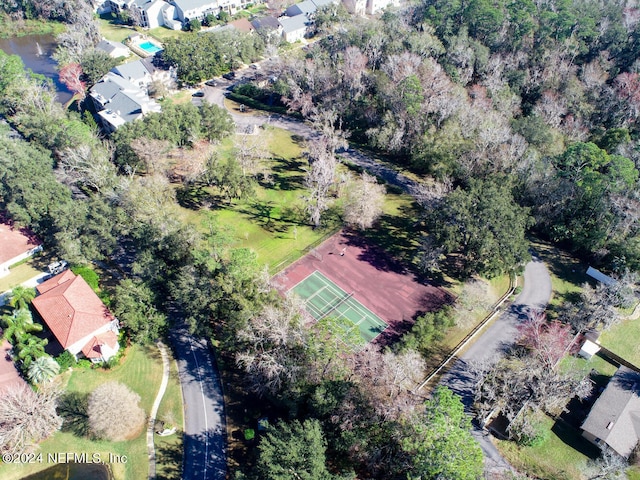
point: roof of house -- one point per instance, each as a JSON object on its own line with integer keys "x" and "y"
{"x": 186, "y": 5}
{"x": 110, "y": 47}
{"x": 70, "y": 308}
{"x": 119, "y": 96}
{"x": 94, "y": 347}
{"x": 292, "y": 24}
{"x": 134, "y": 71}
{"x": 265, "y": 23}
{"x": 243, "y": 25}
{"x": 615, "y": 416}
{"x": 322, "y": 3}
{"x": 307, "y": 7}
{"x": 15, "y": 241}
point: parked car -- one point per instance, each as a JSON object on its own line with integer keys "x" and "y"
{"x": 57, "y": 267}
{"x": 198, "y": 94}
{"x": 229, "y": 76}
{"x": 211, "y": 83}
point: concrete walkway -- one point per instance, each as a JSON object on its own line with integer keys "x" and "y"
{"x": 154, "y": 410}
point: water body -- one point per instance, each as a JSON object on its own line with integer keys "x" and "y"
{"x": 73, "y": 471}
{"x": 35, "y": 52}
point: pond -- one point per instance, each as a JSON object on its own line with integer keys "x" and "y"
{"x": 73, "y": 471}
{"x": 35, "y": 52}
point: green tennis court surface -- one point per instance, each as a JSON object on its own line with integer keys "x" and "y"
{"x": 323, "y": 299}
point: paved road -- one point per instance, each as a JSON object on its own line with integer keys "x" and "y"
{"x": 536, "y": 293}
{"x": 244, "y": 122}
{"x": 204, "y": 423}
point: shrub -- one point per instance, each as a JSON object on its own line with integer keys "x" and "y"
{"x": 65, "y": 360}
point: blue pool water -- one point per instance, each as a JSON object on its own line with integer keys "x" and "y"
{"x": 149, "y": 47}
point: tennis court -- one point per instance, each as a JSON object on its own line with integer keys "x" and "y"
{"x": 323, "y": 298}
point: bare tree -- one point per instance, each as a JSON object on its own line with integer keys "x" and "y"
{"x": 90, "y": 166}
{"x": 320, "y": 177}
{"x": 151, "y": 152}
{"x": 388, "y": 379}
{"x": 27, "y": 417}
{"x": 251, "y": 151}
{"x": 114, "y": 412}
{"x": 363, "y": 202}
{"x": 608, "y": 466}
{"x": 273, "y": 357}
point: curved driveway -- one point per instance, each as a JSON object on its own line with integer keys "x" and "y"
{"x": 204, "y": 424}
{"x": 536, "y": 293}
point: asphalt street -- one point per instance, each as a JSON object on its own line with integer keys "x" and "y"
{"x": 535, "y": 294}
{"x": 204, "y": 422}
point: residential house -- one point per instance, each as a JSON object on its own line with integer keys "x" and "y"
{"x": 118, "y": 101}
{"x": 16, "y": 245}
{"x": 149, "y": 13}
{"x": 113, "y": 49}
{"x": 267, "y": 26}
{"x": 614, "y": 419}
{"x": 377, "y": 6}
{"x": 139, "y": 72}
{"x": 356, "y": 7}
{"x": 324, "y": 3}
{"x": 187, "y": 10}
{"x": 78, "y": 319}
{"x": 307, "y": 8}
{"x": 294, "y": 28}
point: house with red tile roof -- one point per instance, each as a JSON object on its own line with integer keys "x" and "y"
{"x": 15, "y": 245}
{"x": 78, "y": 319}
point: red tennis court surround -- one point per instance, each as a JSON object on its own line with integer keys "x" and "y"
{"x": 376, "y": 281}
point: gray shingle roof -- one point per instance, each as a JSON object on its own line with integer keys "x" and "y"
{"x": 265, "y": 22}
{"x": 133, "y": 71}
{"x": 291, "y": 24}
{"x": 307, "y": 7}
{"x": 615, "y": 416}
{"x": 322, "y": 3}
{"x": 185, "y": 5}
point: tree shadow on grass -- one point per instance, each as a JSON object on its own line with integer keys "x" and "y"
{"x": 194, "y": 197}
{"x": 73, "y": 410}
{"x": 169, "y": 460}
{"x": 572, "y": 438}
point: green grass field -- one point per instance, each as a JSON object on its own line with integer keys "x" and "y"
{"x": 555, "y": 458}
{"x": 273, "y": 222}
{"x": 140, "y": 370}
{"x": 19, "y": 274}
{"x": 169, "y": 449}
{"x": 112, "y": 31}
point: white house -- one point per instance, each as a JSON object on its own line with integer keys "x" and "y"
{"x": 78, "y": 319}
{"x": 187, "y": 10}
{"x": 356, "y": 7}
{"x": 294, "y": 28}
{"x": 15, "y": 245}
{"x": 150, "y": 12}
{"x": 118, "y": 101}
{"x": 377, "y": 6}
{"x": 113, "y": 49}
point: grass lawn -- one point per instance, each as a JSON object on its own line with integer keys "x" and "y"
{"x": 13, "y": 28}
{"x": 18, "y": 275}
{"x": 568, "y": 274}
{"x": 622, "y": 339}
{"x": 561, "y": 456}
{"x": 161, "y": 33}
{"x": 273, "y": 222}
{"x": 112, "y": 31}
{"x": 169, "y": 449}
{"x": 140, "y": 370}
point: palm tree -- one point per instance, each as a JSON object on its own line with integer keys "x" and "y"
{"x": 42, "y": 369}
{"x": 21, "y": 296}
{"x": 19, "y": 325}
{"x": 31, "y": 348}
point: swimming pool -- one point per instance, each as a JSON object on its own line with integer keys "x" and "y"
{"x": 149, "y": 47}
